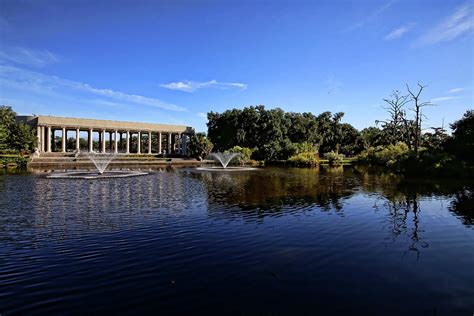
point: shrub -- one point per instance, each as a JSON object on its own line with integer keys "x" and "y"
{"x": 18, "y": 161}
{"x": 389, "y": 156}
{"x": 245, "y": 154}
{"x": 200, "y": 146}
{"x": 334, "y": 158}
{"x": 304, "y": 159}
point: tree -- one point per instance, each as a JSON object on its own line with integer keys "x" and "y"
{"x": 372, "y": 137}
{"x": 200, "y": 146}
{"x": 462, "y": 143}
{"x": 7, "y": 121}
{"x": 415, "y": 97}
{"x": 397, "y": 127}
{"x": 435, "y": 140}
{"x": 22, "y": 137}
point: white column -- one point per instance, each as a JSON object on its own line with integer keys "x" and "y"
{"x": 78, "y": 137}
{"x": 149, "y": 143}
{"x": 115, "y": 142}
{"x": 102, "y": 138}
{"x": 169, "y": 143}
{"x": 159, "y": 143}
{"x": 63, "y": 140}
{"x": 139, "y": 143}
{"x": 48, "y": 138}
{"x": 91, "y": 144}
{"x": 43, "y": 140}
{"x": 127, "y": 140}
{"x": 38, "y": 139}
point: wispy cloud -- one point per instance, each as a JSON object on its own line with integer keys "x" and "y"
{"x": 453, "y": 26}
{"x": 28, "y": 57}
{"x": 202, "y": 115}
{"x": 25, "y": 80}
{"x": 192, "y": 86}
{"x": 371, "y": 16}
{"x": 441, "y": 99}
{"x": 456, "y": 90}
{"x": 399, "y": 32}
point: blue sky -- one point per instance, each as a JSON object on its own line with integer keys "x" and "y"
{"x": 173, "y": 61}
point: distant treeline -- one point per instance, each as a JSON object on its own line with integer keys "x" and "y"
{"x": 397, "y": 141}
{"x": 277, "y": 135}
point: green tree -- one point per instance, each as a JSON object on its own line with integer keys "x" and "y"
{"x": 22, "y": 137}
{"x": 7, "y": 122}
{"x": 462, "y": 143}
{"x": 200, "y": 146}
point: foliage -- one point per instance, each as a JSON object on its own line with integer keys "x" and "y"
{"x": 245, "y": 154}
{"x": 199, "y": 146}
{"x": 13, "y": 135}
{"x": 304, "y": 159}
{"x": 22, "y": 137}
{"x": 388, "y": 156}
{"x": 7, "y": 121}
{"x": 19, "y": 161}
{"x": 372, "y": 137}
{"x": 278, "y": 135}
{"x": 462, "y": 143}
{"x": 436, "y": 140}
{"x": 334, "y": 158}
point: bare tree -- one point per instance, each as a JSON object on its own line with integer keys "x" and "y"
{"x": 415, "y": 97}
{"x": 397, "y": 125}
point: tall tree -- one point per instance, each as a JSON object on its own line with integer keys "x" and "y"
{"x": 462, "y": 144}
{"x": 418, "y": 105}
{"x": 397, "y": 126}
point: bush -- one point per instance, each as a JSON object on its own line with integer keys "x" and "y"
{"x": 19, "y": 161}
{"x": 200, "y": 146}
{"x": 334, "y": 158}
{"x": 245, "y": 154}
{"x": 389, "y": 156}
{"x": 304, "y": 159}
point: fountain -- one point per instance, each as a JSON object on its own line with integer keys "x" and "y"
{"x": 101, "y": 162}
{"x": 224, "y": 159}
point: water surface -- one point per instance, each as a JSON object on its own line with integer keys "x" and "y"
{"x": 281, "y": 241}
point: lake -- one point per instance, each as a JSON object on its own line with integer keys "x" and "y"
{"x": 343, "y": 241}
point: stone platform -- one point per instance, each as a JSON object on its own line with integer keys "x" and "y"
{"x": 64, "y": 161}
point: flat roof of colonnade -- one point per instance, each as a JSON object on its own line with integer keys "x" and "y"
{"x": 83, "y": 123}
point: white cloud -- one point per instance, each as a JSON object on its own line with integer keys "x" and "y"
{"x": 456, "y": 90}
{"x": 35, "y": 82}
{"x": 28, "y": 57}
{"x": 441, "y": 99}
{"x": 453, "y": 26}
{"x": 192, "y": 86}
{"x": 398, "y": 32}
{"x": 371, "y": 16}
{"x": 202, "y": 115}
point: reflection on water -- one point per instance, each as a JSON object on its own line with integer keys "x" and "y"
{"x": 332, "y": 240}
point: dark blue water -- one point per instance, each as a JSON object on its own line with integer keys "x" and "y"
{"x": 272, "y": 241}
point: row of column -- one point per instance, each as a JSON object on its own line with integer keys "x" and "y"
{"x": 45, "y": 143}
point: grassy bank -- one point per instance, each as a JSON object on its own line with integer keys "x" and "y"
{"x": 12, "y": 161}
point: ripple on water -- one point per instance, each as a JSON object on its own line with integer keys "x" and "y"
{"x": 276, "y": 240}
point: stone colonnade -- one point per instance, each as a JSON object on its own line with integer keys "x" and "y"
{"x": 119, "y": 141}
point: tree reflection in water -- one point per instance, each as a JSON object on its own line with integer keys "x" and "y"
{"x": 463, "y": 205}
{"x": 272, "y": 192}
